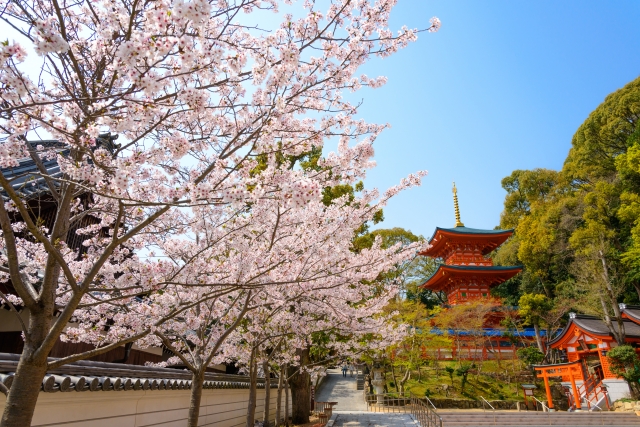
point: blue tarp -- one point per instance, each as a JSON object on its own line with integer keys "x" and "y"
{"x": 493, "y": 332}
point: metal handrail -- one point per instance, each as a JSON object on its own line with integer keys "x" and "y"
{"x": 385, "y": 402}
{"x": 541, "y": 403}
{"x": 487, "y": 402}
{"x": 431, "y": 403}
{"x": 426, "y": 416}
{"x": 423, "y": 413}
{"x": 490, "y": 406}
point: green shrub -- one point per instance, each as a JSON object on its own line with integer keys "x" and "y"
{"x": 463, "y": 371}
{"x": 530, "y": 355}
{"x": 450, "y": 371}
{"x": 624, "y": 362}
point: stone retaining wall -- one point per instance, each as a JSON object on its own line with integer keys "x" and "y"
{"x": 619, "y": 406}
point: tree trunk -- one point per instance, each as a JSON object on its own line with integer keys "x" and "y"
{"x": 197, "y": 381}
{"x": 301, "y": 390}
{"x": 279, "y": 396}
{"x": 253, "y": 386}
{"x": 536, "y": 330}
{"x": 286, "y": 401}
{"x": 393, "y": 375}
{"x": 620, "y": 338}
{"x": 267, "y": 392}
{"x": 23, "y": 395}
{"x": 493, "y": 350}
{"x": 32, "y": 367}
{"x": 636, "y": 285}
{"x": 607, "y": 320}
{"x": 404, "y": 379}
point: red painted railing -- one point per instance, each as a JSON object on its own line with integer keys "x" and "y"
{"x": 592, "y": 390}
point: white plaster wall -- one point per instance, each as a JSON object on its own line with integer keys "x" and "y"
{"x": 166, "y": 408}
{"x": 617, "y": 389}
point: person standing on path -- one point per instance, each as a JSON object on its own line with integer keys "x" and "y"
{"x": 344, "y": 370}
{"x": 351, "y": 370}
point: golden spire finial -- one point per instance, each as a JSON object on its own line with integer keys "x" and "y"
{"x": 455, "y": 206}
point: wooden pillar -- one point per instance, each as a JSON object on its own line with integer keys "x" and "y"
{"x": 575, "y": 389}
{"x": 548, "y": 390}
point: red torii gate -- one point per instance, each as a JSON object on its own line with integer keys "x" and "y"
{"x": 560, "y": 370}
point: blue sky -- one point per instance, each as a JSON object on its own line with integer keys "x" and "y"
{"x": 502, "y": 86}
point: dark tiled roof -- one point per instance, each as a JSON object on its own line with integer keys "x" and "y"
{"x": 102, "y": 376}
{"x": 26, "y": 179}
{"x": 633, "y": 311}
{"x": 595, "y": 325}
{"x": 467, "y": 230}
{"x": 478, "y": 268}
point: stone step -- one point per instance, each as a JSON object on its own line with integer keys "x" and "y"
{"x": 516, "y": 418}
{"x": 531, "y": 419}
{"x": 541, "y": 422}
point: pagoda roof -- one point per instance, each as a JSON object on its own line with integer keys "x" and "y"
{"x": 631, "y": 312}
{"x": 469, "y": 230}
{"x": 592, "y": 326}
{"x": 441, "y": 236}
{"x": 440, "y": 278}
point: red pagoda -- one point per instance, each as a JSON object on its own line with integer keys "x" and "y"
{"x": 466, "y": 272}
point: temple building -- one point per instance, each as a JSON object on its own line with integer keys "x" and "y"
{"x": 585, "y": 341}
{"x": 467, "y": 272}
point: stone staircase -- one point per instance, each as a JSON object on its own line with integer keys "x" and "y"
{"x": 513, "y": 418}
{"x": 360, "y": 381}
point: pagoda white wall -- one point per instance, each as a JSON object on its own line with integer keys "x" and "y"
{"x": 166, "y": 408}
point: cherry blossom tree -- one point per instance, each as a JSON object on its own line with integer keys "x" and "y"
{"x": 196, "y": 92}
{"x": 288, "y": 255}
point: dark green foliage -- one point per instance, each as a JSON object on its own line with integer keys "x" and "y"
{"x": 577, "y": 230}
{"x": 463, "y": 371}
{"x": 530, "y": 355}
{"x": 389, "y": 238}
{"x": 624, "y": 362}
{"x": 427, "y": 297}
{"x": 329, "y": 194}
{"x": 450, "y": 372}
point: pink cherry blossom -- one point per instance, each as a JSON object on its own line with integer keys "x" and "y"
{"x": 195, "y": 212}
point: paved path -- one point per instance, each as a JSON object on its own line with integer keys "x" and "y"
{"x": 336, "y": 388}
{"x": 372, "y": 419}
{"x": 351, "y": 410}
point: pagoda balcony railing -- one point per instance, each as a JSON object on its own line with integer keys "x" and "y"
{"x": 469, "y": 260}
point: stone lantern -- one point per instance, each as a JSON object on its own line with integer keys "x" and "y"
{"x": 378, "y": 381}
